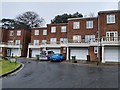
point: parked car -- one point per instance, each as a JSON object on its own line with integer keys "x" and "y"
{"x": 57, "y": 57}
{"x": 50, "y": 53}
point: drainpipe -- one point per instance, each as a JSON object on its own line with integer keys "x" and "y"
{"x": 99, "y": 41}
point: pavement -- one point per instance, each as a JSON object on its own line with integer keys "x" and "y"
{"x": 41, "y": 74}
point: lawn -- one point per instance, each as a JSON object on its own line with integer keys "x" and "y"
{"x": 7, "y": 66}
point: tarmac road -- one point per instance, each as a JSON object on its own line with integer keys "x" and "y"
{"x": 36, "y": 74}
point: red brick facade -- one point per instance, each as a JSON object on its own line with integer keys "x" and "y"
{"x": 82, "y": 30}
{"x": 24, "y": 38}
{"x": 104, "y": 26}
{"x": 98, "y": 27}
{"x": 58, "y": 34}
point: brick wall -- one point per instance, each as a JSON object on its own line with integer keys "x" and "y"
{"x": 83, "y": 30}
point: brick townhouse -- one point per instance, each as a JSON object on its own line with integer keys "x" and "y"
{"x": 38, "y": 37}
{"x": 83, "y": 36}
{"x": 97, "y": 37}
{"x": 109, "y": 27}
{"x": 50, "y": 38}
{"x": 1, "y": 33}
{"x": 3, "y": 39}
{"x": 15, "y": 42}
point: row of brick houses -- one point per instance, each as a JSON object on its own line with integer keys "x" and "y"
{"x": 14, "y": 42}
{"x": 97, "y": 37}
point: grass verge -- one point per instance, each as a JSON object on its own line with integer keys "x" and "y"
{"x": 7, "y": 66}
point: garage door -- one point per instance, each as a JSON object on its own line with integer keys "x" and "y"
{"x": 80, "y": 53}
{"x": 111, "y": 54}
{"x": 15, "y": 52}
{"x": 35, "y": 52}
{"x": 55, "y": 50}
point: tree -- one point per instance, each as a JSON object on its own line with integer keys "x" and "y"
{"x": 64, "y": 17}
{"x": 30, "y": 19}
{"x": 12, "y": 24}
{"x": 8, "y": 23}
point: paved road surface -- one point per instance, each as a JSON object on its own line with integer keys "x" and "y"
{"x": 62, "y": 75}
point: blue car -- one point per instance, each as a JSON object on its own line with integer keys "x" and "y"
{"x": 57, "y": 57}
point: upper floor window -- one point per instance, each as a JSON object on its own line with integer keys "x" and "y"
{"x": 36, "y": 32}
{"x": 17, "y": 42}
{"x": 36, "y": 42}
{"x": 53, "y": 29}
{"x": 63, "y": 29}
{"x": 110, "y": 19}
{"x": 18, "y": 33}
{"x": 11, "y": 33}
{"x": 89, "y": 24}
{"x": 76, "y": 25}
{"x": 44, "y": 32}
{"x": 53, "y": 40}
{"x": 77, "y": 38}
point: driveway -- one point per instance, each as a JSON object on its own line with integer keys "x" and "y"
{"x": 36, "y": 74}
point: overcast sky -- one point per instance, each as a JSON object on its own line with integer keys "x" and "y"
{"x": 48, "y": 10}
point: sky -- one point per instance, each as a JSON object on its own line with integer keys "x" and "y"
{"x": 48, "y": 10}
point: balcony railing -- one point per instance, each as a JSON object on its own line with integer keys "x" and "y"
{"x": 10, "y": 45}
{"x": 110, "y": 39}
{"x": 83, "y": 41}
{"x": 48, "y": 42}
{"x": 92, "y": 40}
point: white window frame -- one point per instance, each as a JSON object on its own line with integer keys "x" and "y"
{"x": 17, "y": 42}
{"x": 53, "y": 40}
{"x": 53, "y": 29}
{"x": 44, "y": 32}
{"x": 89, "y": 24}
{"x": 76, "y": 38}
{"x": 44, "y": 41}
{"x": 63, "y": 28}
{"x": 19, "y": 33}
{"x": 63, "y": 40}
{"x": 111, "y": 38}
{"x": 11, "y": 33}
{"x": 89, "y": 38}
{"x": 76, "y": 25}
{"x": 36, "y": 32}
{"x": 36, "y": 42}
{"x": 110, "y": 19}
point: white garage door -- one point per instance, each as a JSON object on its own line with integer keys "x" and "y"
{"x": 55, "y": 50}
{"x": 16, "y": 52}
{"x": 111, "y": 54}
{"x": 81, "y": 54}
{"x": 35, "y": 52}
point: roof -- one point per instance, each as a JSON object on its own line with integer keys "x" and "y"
{"x": 58, "y": 24}
{"x": 109, "y": 11}
{"x": 81, "y": 18}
